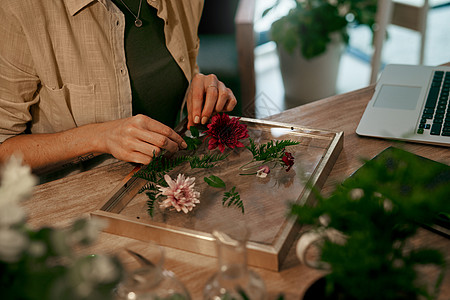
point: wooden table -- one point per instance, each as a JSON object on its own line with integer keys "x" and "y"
{"x": 59, "y": 202}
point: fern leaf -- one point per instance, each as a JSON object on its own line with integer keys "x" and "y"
{"x": 149, "y": 186}
{"x": 232, "y": 198}
{"x": 252, "y": 147}
{"x": 150, "y": 205}
{"x": 194, "y": 131}
{"x": 154, "y": 172}
{"x": 269, "y": 150}
{"x": 151, "y": 202}
{"x": 207, "y": 160}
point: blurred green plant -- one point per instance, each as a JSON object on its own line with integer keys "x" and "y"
{"x": 378, "y": 209}
{"x": 311, "y": 24}
{"x": 42, "y": 264}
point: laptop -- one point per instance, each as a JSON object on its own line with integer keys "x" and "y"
{"x": 410, "y": 103}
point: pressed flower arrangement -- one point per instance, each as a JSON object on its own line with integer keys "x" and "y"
{"x": 223, "y": 136}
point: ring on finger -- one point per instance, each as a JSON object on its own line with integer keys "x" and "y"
{"x": 212, "y": 85}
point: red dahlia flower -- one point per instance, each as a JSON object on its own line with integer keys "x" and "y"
{"x": 288, "y": 160}
{"x": 225, "y": 131}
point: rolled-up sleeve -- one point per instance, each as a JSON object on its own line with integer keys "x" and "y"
{"x": 63, "y": 64}
{"x": 18, "y": 80}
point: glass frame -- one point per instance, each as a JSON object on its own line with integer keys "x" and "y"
{"x": 173, "y": 230}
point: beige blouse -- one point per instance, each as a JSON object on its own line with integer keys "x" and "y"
{"x": 62, "y": 62}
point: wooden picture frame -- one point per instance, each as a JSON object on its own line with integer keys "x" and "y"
{"x": 266, "y": 200}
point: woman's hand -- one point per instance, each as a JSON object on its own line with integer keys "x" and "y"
{"x": 136, "y": 139}
{"x": 139, "y": 138}
{"x": 206, "y": 96}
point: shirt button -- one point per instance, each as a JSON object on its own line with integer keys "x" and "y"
{"x": 123, "y": 72}
{"x": 182, "y": 59}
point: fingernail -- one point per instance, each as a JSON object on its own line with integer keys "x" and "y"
{"x": 183, "y": 144}
{"x": 204, "y": 120}
{"x": 196, "y": 119}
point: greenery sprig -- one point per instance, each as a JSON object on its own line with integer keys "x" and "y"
{"x": 273, "y": 152}
{"x": 206, "y": 161}
{"x": 233, "y": 198}
{"x": 193, "y": 142}
{"x": 270, "y": 150}
{"x": 230, "y": 198}
{"x": 155, "y": 171}
{"x": 151, "y": 193}
{"x": 160, "y": 165}
{"x": 379, "y": 208}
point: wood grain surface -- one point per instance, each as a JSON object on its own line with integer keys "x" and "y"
{"x": 59, "y": 202}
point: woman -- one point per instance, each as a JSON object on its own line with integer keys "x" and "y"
{"x": 84, "y": 77}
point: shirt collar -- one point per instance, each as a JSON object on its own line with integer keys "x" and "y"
{"x": 74, "y": 6}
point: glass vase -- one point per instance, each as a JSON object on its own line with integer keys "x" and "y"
{"x": 150, "y": 281}
{"x": 233, "y": 279}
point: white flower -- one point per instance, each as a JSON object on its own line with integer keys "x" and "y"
{"x": 11, "y": 214}
{"x": 17, "y": 181}
{"x": 37, "y": 249}
{"x": 356, "y": 194}
{"x": 89, "y": 230}
{"x": 93, "y": 227}
{"x": 102, "y": 270}
{"x": 180, "y": 193}
{"x": 93, "y": 270}
{"x": 336, "y": 236}
{"x": 17, "y": 184}
{"x": 12, "y": 244}
{"x": 324, "y": 220}
{"x": 387, "y": 205}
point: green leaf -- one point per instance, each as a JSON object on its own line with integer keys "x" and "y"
{"x": 233, "y": 198}
{"x": 158, "y": 167}
{"x": 151, "y": 194}
{"x": 195, "y": 141}
{"x": 192, "y": 143}
{"x": 150, "y": 205}
{"x": 214, "y": 181}
{"x": 194, "y": 131}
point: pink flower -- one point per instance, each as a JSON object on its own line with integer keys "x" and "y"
{"x": 263, "y": 171}
{"x": 180, "y": 193}
{"x": 225, "y": 131}
{"x": 288, "y": 160}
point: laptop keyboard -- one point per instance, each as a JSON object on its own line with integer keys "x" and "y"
{"x": 436, "y": 114}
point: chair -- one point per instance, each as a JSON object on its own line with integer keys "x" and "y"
{"x": 401, "y": 14}
{"x": 227, "y": 48}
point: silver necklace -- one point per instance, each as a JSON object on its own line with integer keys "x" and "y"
{"x": 137, "y": 22}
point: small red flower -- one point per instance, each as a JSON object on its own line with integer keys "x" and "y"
{"x": 225, "y": 131}
{"x": 288, "y": 160}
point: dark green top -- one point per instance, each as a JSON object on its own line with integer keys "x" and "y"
{"x": 157, "y": 82}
